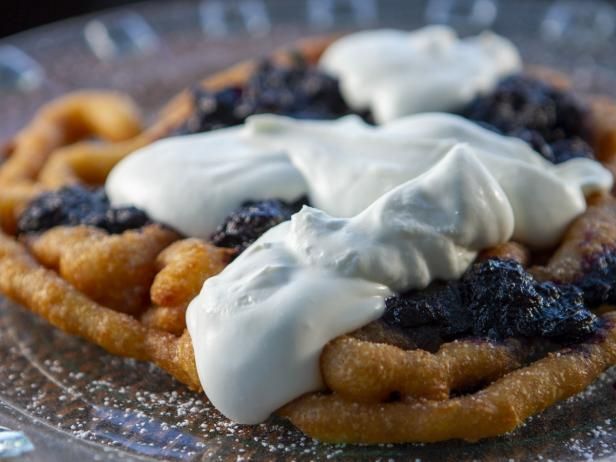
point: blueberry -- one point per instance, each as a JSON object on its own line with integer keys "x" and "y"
{"x": 506, "y": 301}
{"x": 296, "y": 90}
{"x": 552, "y": 121}
{"x": 77, "y": 205}
{"x": 247, "y": 223}
{"x": 496, "y": 299}
{"x": 598, "y": 281}
{"x": 438, "y": 304}
{"x": 212, "y": 110}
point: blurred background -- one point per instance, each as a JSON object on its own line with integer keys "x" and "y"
{"x": 19, "y": 15}
{"x": 151, "y": 49}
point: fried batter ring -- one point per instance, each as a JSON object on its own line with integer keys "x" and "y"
{"x": 105, "y": 114}
{"x": 51, "y": 297}
{"x": 591, "y": 233}
{"x": 115, "y": 270}
{"x": 87, "y": 162}
{"x": 493, "y": 411}
{"x": 90, "y": 162}
{"x": 183, "y": 267}
{"x": 371, "y": 372}
{"x": 171, "y": 319}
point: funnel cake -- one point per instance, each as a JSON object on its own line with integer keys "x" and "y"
{"x": 126, "y": 289}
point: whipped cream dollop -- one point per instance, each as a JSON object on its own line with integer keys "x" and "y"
{"x": 347, "y": 165}
{"x": 193, "y": 182}
{"x": 396, "y": 207}
{"x": 258, "y": 328}
{"x": 396, "y": 73}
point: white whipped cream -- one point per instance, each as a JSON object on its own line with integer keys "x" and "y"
{"x": 400, "y": 205}
{"x": 193, "y": 182}
{"x": 258, "y": 328}
{"x": 395, "y": 73}
{"x": 349, "y": 164}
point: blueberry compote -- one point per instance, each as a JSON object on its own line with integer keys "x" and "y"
{"x": 598, "y": 280}
{"x": 297, "y": 90}
{"x": 496, "y": 299}
{"x": 78, "y": 205}
{"x": 551, "y": 120}
{"x": 247, "y": 223}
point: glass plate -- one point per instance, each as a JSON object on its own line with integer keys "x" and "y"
{"x": 73, "y": 400}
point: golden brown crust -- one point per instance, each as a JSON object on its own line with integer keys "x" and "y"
{"x": 13, "y": 199}
{"x": 45, "y": 293}
{"x": 371, "y": 372}
{"x": 79, "y": 115}
{"x": 171, "y": 319}
{"x": 115, "y": 270}
{"x": 592, "y": 233}
{"x": 183, "y": 267}
{"x": 493, "y": 411}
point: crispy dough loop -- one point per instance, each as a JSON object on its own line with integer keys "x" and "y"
{"x": 90, "y": 162}
{"x": 183, "y": 267}
{"x": 105, "y": 114}
{"x": 371, "y": 372}
{"x": 51, "y": 297}
{"x": 115, "y": 270}
{"x": 493, "y": 411}
{"x": 593, "y": 232}
{"x": 171, "y": 319}
{"x": 87, "y": 162}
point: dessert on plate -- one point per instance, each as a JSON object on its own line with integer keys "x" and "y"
{"x": 388, "y": 236}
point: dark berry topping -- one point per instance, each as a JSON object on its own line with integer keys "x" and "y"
{"x": 213, "y": 110}
{"x": 496, "y": 299}
{"x": 297, "y": 90}
{"x": 552, "y": 121}
{"x": 439, "y": 304}
{"x": 76, "y": 205}
{"x": 506, "y": 301}
{"x": 246, "y": 224}
{"x": 599, "y": 279}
